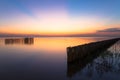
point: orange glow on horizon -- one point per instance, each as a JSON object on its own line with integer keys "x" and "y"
{"x": 52, "y": 33}
{"x": 57, "y": 22}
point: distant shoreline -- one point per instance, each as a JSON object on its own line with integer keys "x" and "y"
{"x": 58, "y": 36}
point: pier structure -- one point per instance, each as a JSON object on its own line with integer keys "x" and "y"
{"x": 79, "y": 56}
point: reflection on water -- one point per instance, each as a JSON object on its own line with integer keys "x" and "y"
{"x": 103, "y": 66}
{"x": 19, "y": 41}
{"x": 46, "y": 58}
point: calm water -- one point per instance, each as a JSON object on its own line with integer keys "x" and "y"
{"x": 46, "y": 59}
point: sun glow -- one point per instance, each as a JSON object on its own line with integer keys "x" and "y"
{"x": 54, "y": 22}
{"x": 57, "y": 17}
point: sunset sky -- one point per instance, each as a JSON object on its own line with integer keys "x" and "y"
{"x": 60, "y": 17}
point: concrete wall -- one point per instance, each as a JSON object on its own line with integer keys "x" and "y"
{"x": 80, "y": 52}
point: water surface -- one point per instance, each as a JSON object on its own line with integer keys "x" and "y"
{"x": 46, "y": 59}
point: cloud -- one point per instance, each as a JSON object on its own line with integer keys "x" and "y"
{"x": 110, "y": 30}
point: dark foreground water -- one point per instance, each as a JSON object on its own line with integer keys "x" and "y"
{"x": 46, "y": 59}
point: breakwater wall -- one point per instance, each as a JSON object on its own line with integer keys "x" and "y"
{"x": 81, "y": 51}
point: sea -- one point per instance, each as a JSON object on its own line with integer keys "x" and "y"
{"x": 45, "y": 58}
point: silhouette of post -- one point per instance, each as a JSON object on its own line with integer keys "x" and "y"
{"x": 19, "y": 41}
{"x": 28, "y": 40}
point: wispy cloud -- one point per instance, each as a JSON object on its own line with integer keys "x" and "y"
{"x": 110, "y": 30}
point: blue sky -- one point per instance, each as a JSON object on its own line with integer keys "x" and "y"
{"x": 75, "y": 7}
{"x": 108, "y": 10}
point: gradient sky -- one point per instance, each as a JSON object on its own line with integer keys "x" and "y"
{"x": 59, "y": 17}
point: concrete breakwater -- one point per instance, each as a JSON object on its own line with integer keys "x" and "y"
{"x": 81, "y": 51}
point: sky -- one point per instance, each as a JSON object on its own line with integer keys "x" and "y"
{"x": 60, "y": 17}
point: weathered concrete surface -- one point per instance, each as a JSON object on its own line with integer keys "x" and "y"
{"x": 79, "y": 56}
{"x": 81, "y": 51}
